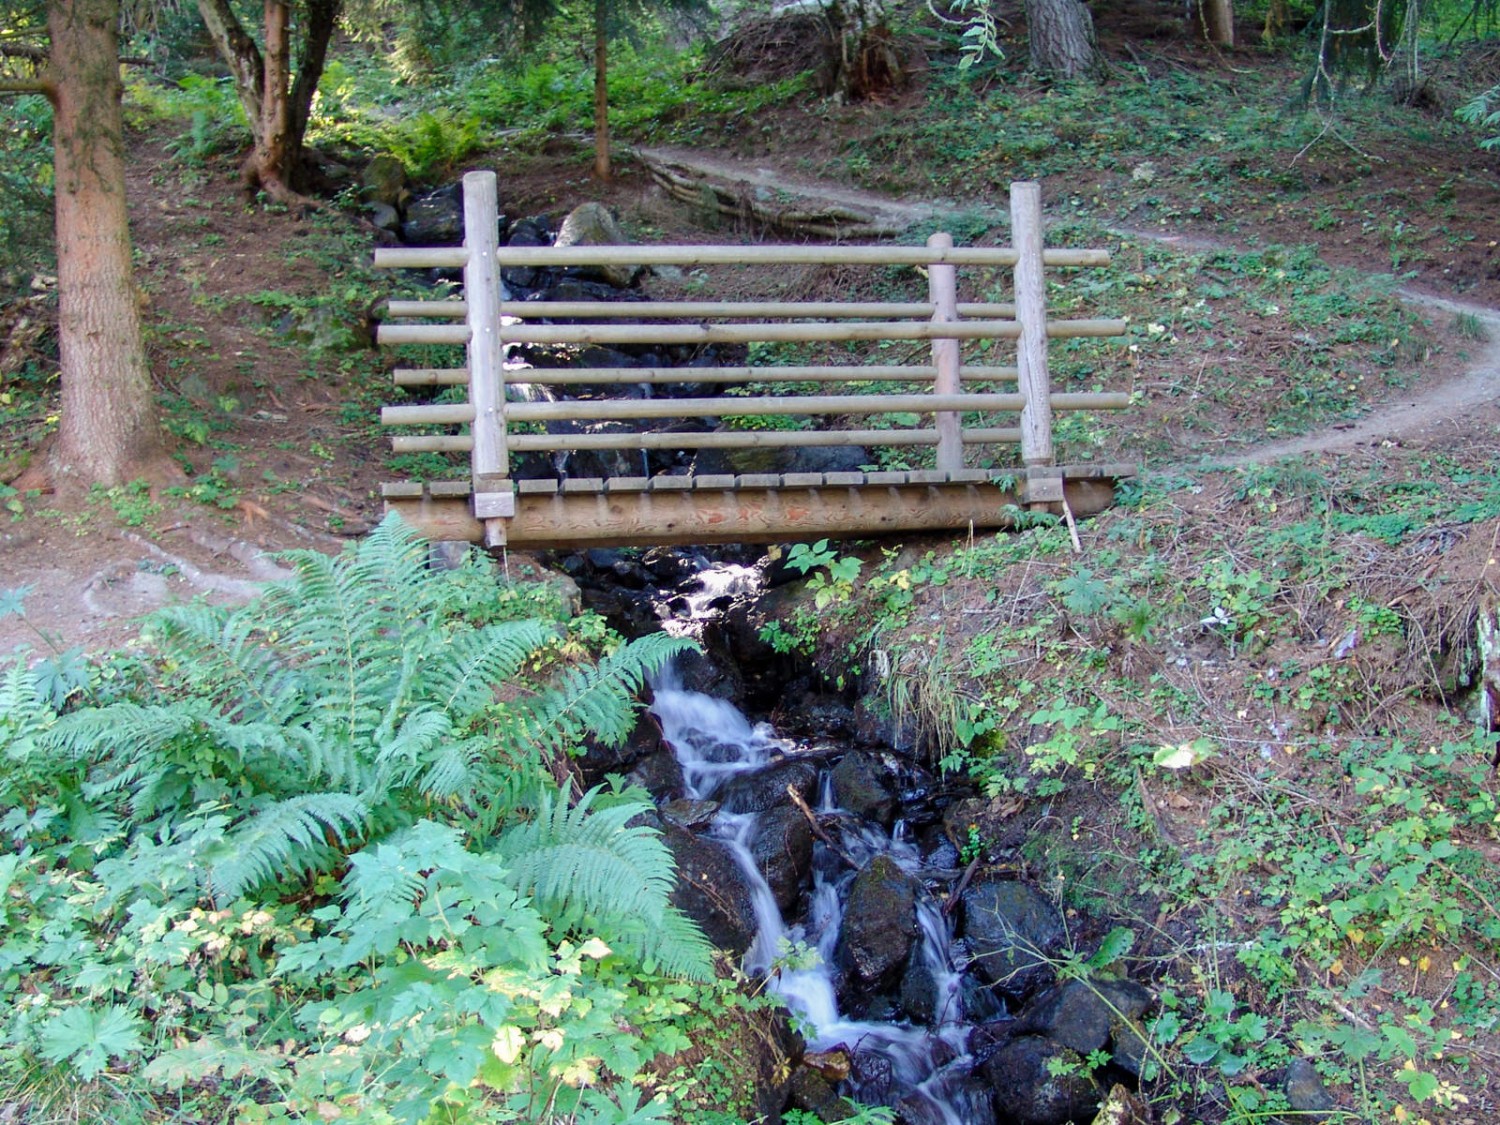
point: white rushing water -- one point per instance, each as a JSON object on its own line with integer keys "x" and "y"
{"x": 713, "y": 741}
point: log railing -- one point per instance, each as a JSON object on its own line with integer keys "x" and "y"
{"x": 485, "y": 324}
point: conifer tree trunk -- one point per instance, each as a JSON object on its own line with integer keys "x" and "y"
{"x": 107, "y": 431}
{"x": 1061, "y": 35}
{"x": 601, "y": 93}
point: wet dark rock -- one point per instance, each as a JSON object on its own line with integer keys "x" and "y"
{"x": 782, "y": 848}
{"x": 697, "y": 671}
{"x": 813, "y": 1093}
{"x": 919, "y": 993}
{"x": 872, "y": 1076}
{"x": 970, "y": 1101}
{"x": 876, "y": 725}
{"x": 766, "y": 788}
{"x": 1305, "y": 1091}
{"x": 823, "y": 716}
{"x": 1129, "y": 1046}
{"x": 1025, "y": 1090}
{"x": 1011, "y": 929}
{"x": 528, "y": 232}
{"x": 435, "y": 219}
{"x": 523, "y": 280}
{"x": 600, "y": 759}
{"x": 859, "y": 786}
{"x": 880, "y": 920}
{"x": 1082, "y": 1015}
{"x": 688, "y": 814}
{"x": 979, "y": 1001}
{"x": 712, "y": 890}
{"x": 658, "y": 773}
{"x": 582, "y": 289}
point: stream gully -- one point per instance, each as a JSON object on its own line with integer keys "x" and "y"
{"x": 713, "y": 742}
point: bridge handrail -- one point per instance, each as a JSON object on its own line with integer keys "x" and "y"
{"x": 483, "y": 323}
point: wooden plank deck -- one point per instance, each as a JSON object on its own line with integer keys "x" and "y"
{"x": 760, "y": 508}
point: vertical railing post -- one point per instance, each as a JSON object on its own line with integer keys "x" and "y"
{"x": 493, "y": 499}
{"x": 942, "y": 288}
{"x": 1043, "y": 482}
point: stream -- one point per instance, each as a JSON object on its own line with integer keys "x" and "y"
{"x": 713, "y": 741}
{"x": 916, "y": 978}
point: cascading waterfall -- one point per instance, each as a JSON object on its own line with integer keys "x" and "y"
{"x": 713, "y": 742}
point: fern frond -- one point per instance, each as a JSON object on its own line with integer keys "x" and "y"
{"x": 406, "y": 756}
{"x": 222, "y": 655}
{"x": 126, "y": 730}
{"x": 463, "y": 675}
{"x": 24, "y": 713}
{"x": 284, "y": 838}
{"x": 583, "y": 864}
{"x": 598, "y": 701}
{"x": 454, "y": 772}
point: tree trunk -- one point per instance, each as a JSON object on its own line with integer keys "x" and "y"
{"x": 107, "y": 432}
{"x": 1061, "y": 34}
{"x": 601, "y": 94}
{"x": 1217, "y": 20}
{"x": 276, "y": 106}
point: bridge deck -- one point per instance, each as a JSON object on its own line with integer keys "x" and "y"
{"x": 760, "y": 508}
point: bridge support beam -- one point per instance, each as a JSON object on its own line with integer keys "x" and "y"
{"x": 579, "y": 517}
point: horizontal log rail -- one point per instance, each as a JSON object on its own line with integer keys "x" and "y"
{"x": 456, "y": 257}
{"x": 692, "y": 310}
{"x": 928, "y": 403}
{"x": 719, "y": 439}
{"x": 695, "y": 334}
{"x": 589, "y": 376}
{"x": 614, "y": 410}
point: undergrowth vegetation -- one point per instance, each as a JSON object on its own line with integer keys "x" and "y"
{"x": 1246, "y": 713}
{"x": 321, "y": 856}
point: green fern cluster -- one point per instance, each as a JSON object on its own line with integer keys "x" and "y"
{"x": 346, "y": 724}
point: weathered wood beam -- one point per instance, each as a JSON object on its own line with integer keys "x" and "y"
{"x": 578, "y": 519}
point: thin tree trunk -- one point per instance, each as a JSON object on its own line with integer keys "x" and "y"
{"x": 1061, "y": 35}
{"x": 276, "y": 106}
{"x": 107, "y": 431}
{"x": 601, "y": 94}
{"x": 322, "y": 21}
{"x": 269, "y": 164}
{"x": 239, "y": 52}
{"x": 1217, "y": 18}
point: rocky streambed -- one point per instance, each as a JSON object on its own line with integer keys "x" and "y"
{"x": 918, "y": 971}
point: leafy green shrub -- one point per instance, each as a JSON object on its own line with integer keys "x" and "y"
{"x": 25, "y": 190}
{"x": 250, "y": 860}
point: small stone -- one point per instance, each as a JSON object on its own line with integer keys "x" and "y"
{"x": 1305, "y": 1091}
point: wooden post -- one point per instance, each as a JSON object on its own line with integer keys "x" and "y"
{"x": 942, "y": 288}
{"x": 489, "y": 461}
{"x": 1044, "y": 484}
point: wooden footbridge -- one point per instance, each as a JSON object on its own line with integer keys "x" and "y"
{"x": 493, "y": 508}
